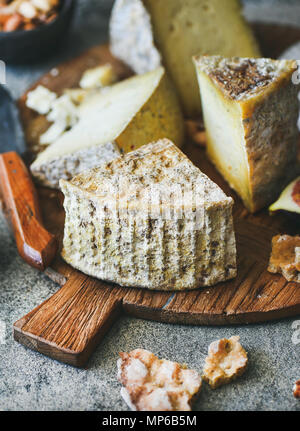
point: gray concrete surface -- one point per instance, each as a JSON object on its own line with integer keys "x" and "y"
{"x": 30, "y": 381}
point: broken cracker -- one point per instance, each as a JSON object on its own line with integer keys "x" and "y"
{"x": 153, "y": 384}
{"x": 285, "y": 257}
{"x": 226, "y": 360}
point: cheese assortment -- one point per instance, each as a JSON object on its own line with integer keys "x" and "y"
{"x": 250, "y": 109}
{"x": 149, "y": 219}
{"x": 147, "y": 33}
{"x": 141, "y": 214}
{"x": 111, "y": 121}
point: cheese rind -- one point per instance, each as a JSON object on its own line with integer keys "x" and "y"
{"x": 144, "y": 33}
{"x": 130, "y": 114}
{"x": 69, "y": 165}
{"x": 150, "y": 219}
{"x": 250, "y": 109}
{"x": 131, "y": 36}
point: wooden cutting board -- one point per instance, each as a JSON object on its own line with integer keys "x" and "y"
{"x": 69, "y": 325}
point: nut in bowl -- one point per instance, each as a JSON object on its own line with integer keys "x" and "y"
{"x": 32, "y": 29}
{"x": 27, "y": 14}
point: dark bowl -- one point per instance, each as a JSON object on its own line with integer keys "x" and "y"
{"x": 24, "y": 46}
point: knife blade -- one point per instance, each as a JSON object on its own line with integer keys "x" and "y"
{"x": 35, "y": 244}
{"x": 11, "y": 131}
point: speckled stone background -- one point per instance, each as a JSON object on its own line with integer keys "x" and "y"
{"x": 30, "y": 381}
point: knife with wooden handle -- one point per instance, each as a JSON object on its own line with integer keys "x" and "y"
{"x": 35, "y": 244}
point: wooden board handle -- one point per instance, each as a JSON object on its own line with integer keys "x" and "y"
{"x": 69, "y": 325}
{"x": 35, "y": 244}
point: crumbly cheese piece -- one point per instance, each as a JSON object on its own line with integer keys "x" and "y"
{"x": 63, "y": 114}
{"x": 226, "y": 360}
{"x": 53, "y": 133}
{"x": 126, "y": 116}
{"x": 250, "y": 109}
{"x": 285, "y": 257}
{"x": 101, "y": 76}
{"x": 150, "y": 219}
{"x": 144, "y": 33}
{"x": 296, "y": 389}
{"x": 64, "y": 110}
{"x": 152, "y": 384}
{"x": 40, "y": 100}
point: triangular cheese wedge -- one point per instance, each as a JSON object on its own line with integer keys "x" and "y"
{"x": 119, "y": 119}
{"x": 149, "y": 219}
{"x": 250, "y": 109}
{"x": 147, "y": 33}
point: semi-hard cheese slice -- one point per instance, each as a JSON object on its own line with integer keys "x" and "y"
{"x": 149, "y": 219}
{"x": 144, "y": 33}
{"x": 250, "y": 109}
{"x": 115, "y": 120}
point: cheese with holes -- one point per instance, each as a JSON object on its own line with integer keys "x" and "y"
{"x": 146, "y": 33}
{"x": 250, "y": 109}
{"x": 111, "y": 121}
{"x": 150, "y": 219}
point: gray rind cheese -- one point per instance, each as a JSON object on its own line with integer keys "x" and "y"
{"x": 150, "y": 219}
{"x": 67, "y": 166}
{"x": 137, "y": 49}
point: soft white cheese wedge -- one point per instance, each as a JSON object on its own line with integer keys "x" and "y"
{"x": 146, "y": 33}
{"x": 126, "y": 116}
{"x": 250, "y": 109}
